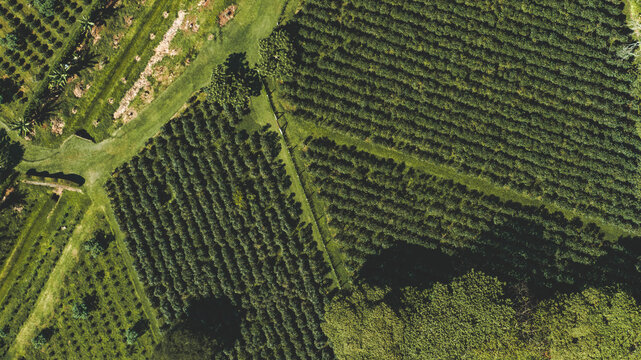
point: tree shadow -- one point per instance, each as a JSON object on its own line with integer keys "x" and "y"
{"x": 238, "y": 65}
{"x": 8, "y": 90}
{"x": 104, "y": 239}
{"x": 409, "y": 265}
{"x": 141, "y": 326}
{"x": 77, "y": 179}
{"x": 211, "y": 326}
{"x": 216, "y": 317}
{"x": 525, "y": 255}
{"x": 85, "y": 59}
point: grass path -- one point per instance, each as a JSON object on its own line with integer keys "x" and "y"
{"x": 299, "y": 130}
{"x": 48, "y": 298}
{"x": 263, "y": 113}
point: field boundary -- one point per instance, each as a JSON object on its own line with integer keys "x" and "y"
{"x": 612, "y": 232}
{"x": 335, "y": 266}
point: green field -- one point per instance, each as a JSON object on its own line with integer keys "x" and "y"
{"x": 430, "y": 179}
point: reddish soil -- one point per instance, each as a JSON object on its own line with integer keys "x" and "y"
{"x": 226, "y": 15}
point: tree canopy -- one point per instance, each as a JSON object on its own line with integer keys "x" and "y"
{"x": 232, "y": 83}
{"x": 276, "y": 55}
{"x": 467, "y": 318}
{"x": 10, "y": 154}
{"x": 472, "y": 318}
{"x": 45, "y": 7}
{"x": 592, "y": 324}
{"x": 363, "y": 326}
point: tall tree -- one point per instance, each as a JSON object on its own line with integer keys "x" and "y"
{"x": 361, "y": 326}
{"x": 592, "y": 324}
{"x": 467, "y": 318}
{"x": 276, "y": 55}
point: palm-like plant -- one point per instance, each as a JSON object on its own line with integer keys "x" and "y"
{"x": 22, "y": 126}
{"x": 86, "y": 24}
{"x": 58, "y": 76}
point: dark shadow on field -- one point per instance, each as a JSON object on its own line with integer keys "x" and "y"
{"x": 77, "y": 179}
{"x": 526, "y": 256}
{"x": 210, "y": 326}
{"x": 8, "y": 90}
{"x": 141, "y": 326}
{"x": 238, "y": 65}
{"x": 409, "y": 265}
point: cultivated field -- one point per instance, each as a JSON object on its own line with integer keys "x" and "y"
{"x": 207, "y": 213}
{"x": 530, "y": 95}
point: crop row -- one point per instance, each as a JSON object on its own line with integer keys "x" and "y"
{"x": 208, "y": 214}
{"x": 374, "y": 203}
{"x": 508, "y": 95}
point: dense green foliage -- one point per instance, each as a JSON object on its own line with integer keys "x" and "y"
{"x": 362, "y": 326}
{"x": 232, "y": 83}
{"x": 529, "y": 94}
{"x": 276, "y": 55}
{"x": 592, "y": 325}
{"x": 208, "y": 213}
{"x": 467, "y": 318}
{"x": 470, "y": 318}
{"x": 45, "y": 7}
{"x": 374, "y": 203}
{"x": 79, "y": 310}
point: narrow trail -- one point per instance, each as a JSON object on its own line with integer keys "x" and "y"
{"x": 52, "y": 185}
{"x": 306, "y": 204}
{"x": 47, "y": 300}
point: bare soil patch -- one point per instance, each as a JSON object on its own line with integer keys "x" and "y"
{"x": 159, "y": 53}
{"x": 226, "y": 15}
{"x": 57, "y": 125}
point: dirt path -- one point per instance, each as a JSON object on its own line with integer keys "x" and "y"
{"x": 58, "y": 187}
{"x": 160, "y": 52}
